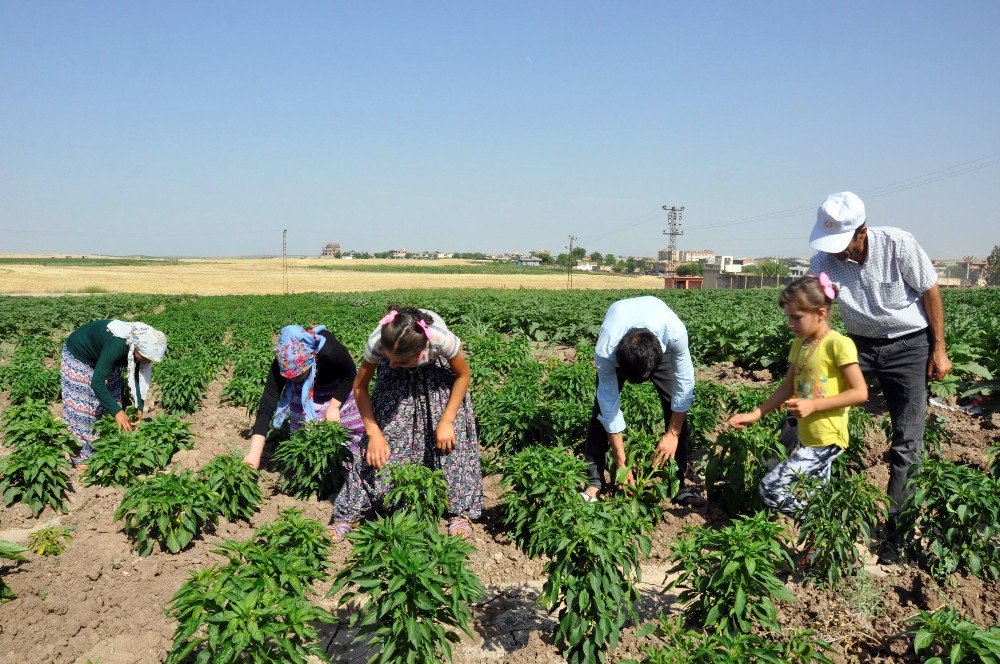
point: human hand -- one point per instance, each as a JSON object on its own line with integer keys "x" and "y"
{"x": 800, "y": 407}
{"x": 252, "y": 460}
{"x": 665, "y": 449}
{"x": 378, "y": 452}
{"x": 332, "y": 413}
{"x": 445, "y": 436}
{"x": 939, "y": 365}
{"x": 121, "y": 419}
{"x": 138, "y": 418}
{"x": 742, "y": 420}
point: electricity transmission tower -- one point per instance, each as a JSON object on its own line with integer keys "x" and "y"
{"x": 674, "y": 215}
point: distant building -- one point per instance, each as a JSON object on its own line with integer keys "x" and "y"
{"x": 540, "y": 252}
{"x": 397, "y": 253}
{"x": 528, "y": 261}
{"x": 798, "y": 270}
{"x": 585, "y": 266}
{"x": 441, "y": 255}
{"x": 668, "y": 255}
{"x": 697, "y": 255}
{"x": 331, "y": 250}
{"x": 728, "y": 264}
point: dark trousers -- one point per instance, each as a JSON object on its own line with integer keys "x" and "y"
{"x": 900, "y": 366}
{"x": 596, "y": 446}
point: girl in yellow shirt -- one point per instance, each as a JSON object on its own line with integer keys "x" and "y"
{"x": 822, "y": 382}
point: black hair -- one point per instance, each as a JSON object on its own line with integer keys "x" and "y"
{"x": 638, "y": 354}
{"x": 404, "y": 337}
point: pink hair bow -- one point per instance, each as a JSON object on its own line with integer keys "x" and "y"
{"x": 423, "y": 326}
{"x": 827, "y": 285}
{"x": 389, "y": 317}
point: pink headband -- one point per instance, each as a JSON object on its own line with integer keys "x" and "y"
{"x": 826, "y": 284}
{"x": 423, "y": 326}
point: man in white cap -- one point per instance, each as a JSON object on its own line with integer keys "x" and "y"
{"x": 891, "y": 304}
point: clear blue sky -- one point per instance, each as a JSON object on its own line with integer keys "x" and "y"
{"x": 205, "y": 128}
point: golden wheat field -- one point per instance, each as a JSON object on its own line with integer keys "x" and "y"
{"x": 243, "y": 276}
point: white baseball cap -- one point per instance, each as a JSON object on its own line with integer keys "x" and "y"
{"x": 836, "y": 220}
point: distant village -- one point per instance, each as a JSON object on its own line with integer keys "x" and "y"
{"x": 685, "y": 269}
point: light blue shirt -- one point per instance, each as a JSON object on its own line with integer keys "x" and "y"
{"x": 651, "y": 313}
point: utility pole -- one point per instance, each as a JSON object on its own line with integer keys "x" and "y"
{"x": 968, "y": 267}
{"x": 674, "y": 215}
{"x": 284, "y": 259}
{"x": 569, "y": 263}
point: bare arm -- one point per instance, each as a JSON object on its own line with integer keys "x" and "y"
{"x": 378, "y": 449}
{"x": 938, "y": 366}
{"x": 445, "y": 432}
{"x": 784, "y": 392}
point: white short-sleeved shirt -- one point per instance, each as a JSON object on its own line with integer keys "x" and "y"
{"x": 882, "y": 298}
{"x": 443, "y": 343}
{"x": 654, "y": 315}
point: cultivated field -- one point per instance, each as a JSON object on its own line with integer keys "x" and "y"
{"x": 100, "y": 600}
{"x": 49, "y": 275}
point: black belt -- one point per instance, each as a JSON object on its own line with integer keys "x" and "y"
{"x": 877, "y": 341}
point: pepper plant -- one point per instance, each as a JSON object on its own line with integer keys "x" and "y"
{"x": 417, "y": 489}
{"x": 313, "y": 460}
{"x": 14, "y": 553}
{"x": 31, "y": 422}
{"x": 416, "y": 585}
{"x": 35, "y": 474}
{"x": 935, "y": 433}
{"x": 169, "y": 508}
{"x": 728, "y": 577}
{"x": 687, "y": 646}
{"x": 852, "y": 460}
{"x": 592, "y": 569}
{"x": 121, "y": 457}
{"x": 237, "y": 613}
{"x": 538, "y": 480}
{"x": 835, "y": 515}
{"x": 294, "y": 537}
{"x": 167, "y": 434}
{"x": 50, "y": 540}
{"x": 735, "y": 471}
{"x": 951, "y": 637}
{"x": 953, "y": 514}
{"x": 235, "y": 483}
{"x": 652, "y": 484}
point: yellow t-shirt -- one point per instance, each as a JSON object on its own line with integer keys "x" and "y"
{"x": 818, "y": 377}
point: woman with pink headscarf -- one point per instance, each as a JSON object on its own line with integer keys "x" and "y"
{"x": 310, "y": 379}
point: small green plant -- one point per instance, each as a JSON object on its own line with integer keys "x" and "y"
{"x": 312, "y": 460}
{"x": 728, "y": 577}
{"x": 14, "y": 553}
{"x": 867, "y": 594}
{"x": 35, "y": 474}
{"x": 936, "y": 433}
{"x": 27, "y": 377}
{"x": 835, "y": 515}
{"x": 687, "y": 646}
{"x": 954, "y": 517}
{"x": 538, "y": 480}
{"x": 417, "y": 489}
{"x": 417, "y": 586}
{"x": 237, "y": 613}
{"x": 705, "y": 412}
{"x": 236, "y": 485}
{"x": 294, "y": 537}
{"x": 121, "y": 457}
{"x": 169, "y": 508}
{"x": 653, "y": 484}
{"x": 50, "y": 540}
{"x": 168, "y": 434}
{"x": 852, "y": 460}
{"x": 951, "y": 637}
{"x": 994, "y": 455}
{"x": 31, "y": 422}
{"x": 733, "y": 474}
{"x": 592, "y": 569}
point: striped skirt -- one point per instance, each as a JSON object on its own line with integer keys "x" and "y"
{"x": 80, "y": 405}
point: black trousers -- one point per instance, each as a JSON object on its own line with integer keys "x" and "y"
{"x": 900, "y": 366}
{"x": 596, "y": 446}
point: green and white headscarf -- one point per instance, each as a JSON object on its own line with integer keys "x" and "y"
{"x": 151, "y": 344}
